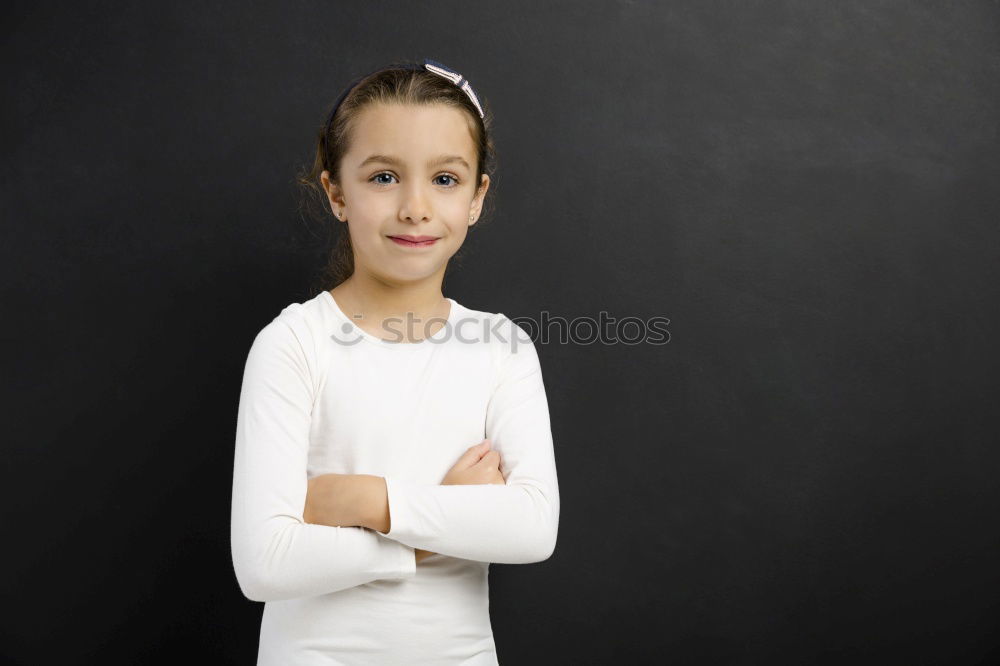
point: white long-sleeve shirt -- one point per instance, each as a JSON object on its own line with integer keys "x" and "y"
{"x": 321, "y": 395}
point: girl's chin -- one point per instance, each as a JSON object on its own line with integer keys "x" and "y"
{"x": 407, "y": 270}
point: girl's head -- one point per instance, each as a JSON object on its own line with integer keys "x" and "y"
{"x": 380, "y": 167}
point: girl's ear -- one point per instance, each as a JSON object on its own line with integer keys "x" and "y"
{"x": 477, "y": 201}
{"x": 333, "y": 194}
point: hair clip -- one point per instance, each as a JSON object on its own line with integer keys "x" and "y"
{"x": 456, "y": 78}
{"x": 430, "y": 66}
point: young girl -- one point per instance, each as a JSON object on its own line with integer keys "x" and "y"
{"x": 390, "y": 442}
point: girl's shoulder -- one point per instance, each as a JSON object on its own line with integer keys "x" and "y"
{"x": 300, "y": 317}
{"x": 467, "y": 313}
{"x": 497, "y": 324}
{"x": 296, "y": 328}
{"x": 508, "y": 341}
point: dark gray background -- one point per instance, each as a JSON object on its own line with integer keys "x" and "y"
{"x": 805, "y": 474}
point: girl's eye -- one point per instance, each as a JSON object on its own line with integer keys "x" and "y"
{"x": 375, "y": 180}
{"x": 383, "y": 173}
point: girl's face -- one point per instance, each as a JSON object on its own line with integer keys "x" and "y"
{"x": 409, "y": 172}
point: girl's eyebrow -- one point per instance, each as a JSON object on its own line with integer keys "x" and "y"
{"x": 388, "y": 159}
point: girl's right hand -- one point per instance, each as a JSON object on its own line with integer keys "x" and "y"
{"x": 478, "y": 465}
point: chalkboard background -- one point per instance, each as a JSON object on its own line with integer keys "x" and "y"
{"x": 806, "y": 473}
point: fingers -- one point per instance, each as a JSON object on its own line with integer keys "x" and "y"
{"x": 490, "y": 459}
{"x": 479, "y": 449}
{"x": 472, "y": 455}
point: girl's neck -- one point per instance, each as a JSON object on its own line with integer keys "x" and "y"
{"x": 376, "y": 301}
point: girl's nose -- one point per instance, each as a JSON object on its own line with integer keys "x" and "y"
{"x": 415, "y": 205}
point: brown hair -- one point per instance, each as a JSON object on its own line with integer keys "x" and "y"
{"x": 399, "y": 83}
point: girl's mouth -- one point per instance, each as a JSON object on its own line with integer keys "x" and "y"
{"x": 406, "y": 241}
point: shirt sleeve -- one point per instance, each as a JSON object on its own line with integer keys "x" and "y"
{"x": 276, "y": 555}
{"x": 515, "y": 523}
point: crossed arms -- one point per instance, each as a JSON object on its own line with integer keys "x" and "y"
{"x": 278, "y": 555}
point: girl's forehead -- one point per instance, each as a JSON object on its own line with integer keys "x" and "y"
{"x": 403, "y": 118}
{"x": 409, "y": 130}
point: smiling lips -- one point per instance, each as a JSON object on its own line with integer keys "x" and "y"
{"x": 414, "y": 241}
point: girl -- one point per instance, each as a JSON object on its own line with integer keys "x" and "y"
{"x": 380, "y": 467}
